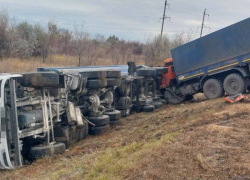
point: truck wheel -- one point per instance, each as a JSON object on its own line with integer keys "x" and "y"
{"x": 163, "y": 101}
{"x": 213, "y": 89}
{"x": 234, "y": 84}
{"x": 157, "y": 105}
{"x": 149, "y": 108}
{"x": 113, "y": 74}
{"x": 156, "y": 99}
{"x": 96, "y": 83}
{"x": 98, "y": 130}
{"x": 146, "y": 72}
{"x": 114, "y": 115}
{"x": 113, "y": 82}
{"x": 171, "y": 98}
{"x": 125, "y": 112}
{"x": 94, "y": 74}
{"x": 51, "y": 150}
{"x": 40, "y": 79}
{"x": 99, "y": 121}
{"x": 161, "y": 70}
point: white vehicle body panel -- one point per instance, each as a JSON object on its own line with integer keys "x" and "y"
{"x": 5, "y": 162}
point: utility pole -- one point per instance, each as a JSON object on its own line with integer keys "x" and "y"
{"x": 202, "y": 25}
{"x": 164, "y": 16}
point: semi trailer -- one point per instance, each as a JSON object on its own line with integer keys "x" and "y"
{"x": 43, "y": 113}
{"x": 214, "y": 65}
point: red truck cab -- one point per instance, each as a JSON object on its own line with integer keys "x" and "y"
{"x": 169, "y": 77}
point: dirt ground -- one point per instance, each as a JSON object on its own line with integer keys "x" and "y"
{"x": 195, "y": 140}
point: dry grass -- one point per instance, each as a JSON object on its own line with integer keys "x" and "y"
{"x": 208, "y": 140}
{"x": 27, "y": 65}
{"x": 18, "y": 65}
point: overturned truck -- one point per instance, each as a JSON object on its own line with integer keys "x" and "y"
{"x": 44, "y": 112}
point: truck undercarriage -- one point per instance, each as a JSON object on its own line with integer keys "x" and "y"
{"x": 44, "y": 113}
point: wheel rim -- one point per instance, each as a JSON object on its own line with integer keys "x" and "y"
{"x": 212, "y": 89}
{"x": 233, "y": 85}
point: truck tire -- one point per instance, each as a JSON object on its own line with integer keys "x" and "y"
{"x": 146, "y": 72}
{"x": 213, "y": 89}
{"x": 163, "y": 101}
{"x": 99, "y": 121}
{"x": 170, "y": 98}
{"x": 234, "y": 84}
{"x": 161, "y": 70}
{"x": 113, "y": 74}
{"x": 156, "y": 99}
{"x": 98, "y": 130}
{"x": 149, "y": 108}
{"x": 157, "y": 105}
{"x": 96, "y": 83}
{"x": 113, "y": 82}
{"x": 114, "y": 115}
{"x": 125, "y": 112}
{"x": 40, "y": 79}
{"x": 51, "y": 150}
{"x": 94, "y": 74}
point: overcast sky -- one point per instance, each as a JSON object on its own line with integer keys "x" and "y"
{"x": 130, "y": 19}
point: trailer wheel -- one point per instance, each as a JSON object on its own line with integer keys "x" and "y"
{"x": 213, "y": 89}
{"x": 113, "y": 82}
{"x": 146, "y": 72}
{"x": 114, "y": 115}
{"x": 125, "y": 112}
{"x": 113, "y": 74}
{"x": 98, "y": 130}
{"x": 40, "y": 79}
{"x": 51, "y": 150}
{"x": 94, "y": 74}
{"x": 99, "y": 121}
{"x": 96, "y": 83}
{"x": 234, "y": 84}
{"x": 163, "y": 101}
{"x": 160, "y": 70}
{"x": 171, "y": 98}
{"x": 149, "y": 108}
{"x": 157, "y": 105}
{"x": 156, "y": 99}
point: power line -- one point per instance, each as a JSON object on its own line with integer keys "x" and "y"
{"x": 102, "y": 27}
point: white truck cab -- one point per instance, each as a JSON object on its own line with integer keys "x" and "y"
{"x": 8, "y": 158}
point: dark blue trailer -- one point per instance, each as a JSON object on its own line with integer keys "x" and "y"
{"x": 214, "y": 64}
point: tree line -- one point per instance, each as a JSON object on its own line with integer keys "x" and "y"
{"x": 24, "y": 40}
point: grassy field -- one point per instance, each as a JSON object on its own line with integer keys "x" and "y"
{"x": 27, "y": 65}
{"x": 195, "y": 140}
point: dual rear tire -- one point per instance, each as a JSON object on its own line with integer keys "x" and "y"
{"x": 232, "y": 85}
{"x": 101, "y": 125}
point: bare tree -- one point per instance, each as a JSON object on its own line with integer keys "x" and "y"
{"x": 65, "y": 37}
{"x": 4, "y": 22}
{"x": 157, "y": 50}
{"x": 91, "y": 53}
{"x": 178, "y": 40}
{"x": 80, "y": 42}
{"x": 115, "y": 55}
